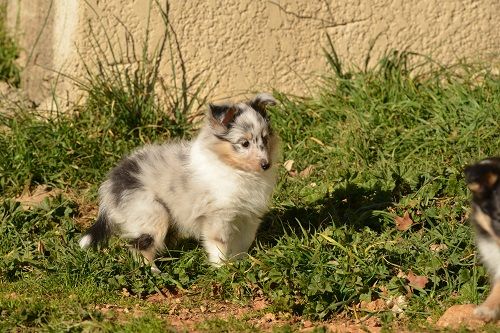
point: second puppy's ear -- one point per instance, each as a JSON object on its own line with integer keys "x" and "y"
{"x": 485, "y": 183}
{"x": 221, "y": 115}
{"x": 481, "y": 178}
{"x": 261, "y": 102}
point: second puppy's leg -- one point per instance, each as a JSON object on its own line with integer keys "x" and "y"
{"x": 490, "y": 256}
{"x": 490, "y": 309}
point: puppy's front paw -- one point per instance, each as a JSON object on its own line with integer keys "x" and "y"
{"x": 486, "y": 313}
{"x": 155, "y": 269}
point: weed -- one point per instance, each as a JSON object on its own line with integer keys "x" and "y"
{"x": 9, "y": 52}
{"x": 124, "y": 108}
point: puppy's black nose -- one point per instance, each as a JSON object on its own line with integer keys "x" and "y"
{"x": 265, "y": 165}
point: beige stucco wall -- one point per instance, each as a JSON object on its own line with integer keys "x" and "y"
{"x": 249, "y": 45}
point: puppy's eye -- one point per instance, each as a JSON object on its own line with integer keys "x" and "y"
{"x": 245, "y": 143}
{"x": 265, "y": 139}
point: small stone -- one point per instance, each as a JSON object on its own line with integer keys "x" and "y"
{"x": 460, "y": 315}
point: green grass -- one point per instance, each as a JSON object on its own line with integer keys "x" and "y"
{"x": 383, "y": 141}
{"x": 9, "y": 51}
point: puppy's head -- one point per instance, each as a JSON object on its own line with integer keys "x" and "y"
{"x": 241, "y": 134}
{"x": 483, "y": 179}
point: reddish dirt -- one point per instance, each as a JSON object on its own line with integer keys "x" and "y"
{"x": 119, "y": 313}
{"x": 184, "y": 316}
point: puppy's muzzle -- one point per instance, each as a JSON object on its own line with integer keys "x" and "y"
{"x": 264, "y": 164}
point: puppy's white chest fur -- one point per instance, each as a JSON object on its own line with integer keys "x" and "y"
{"x": 490, "y": 255}
{"x": 233, "y": 191}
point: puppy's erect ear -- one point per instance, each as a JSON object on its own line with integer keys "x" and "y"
{"x": 261, "y": 102}
{"x": 481, "y": 178}
{"x": 221, "y": 115}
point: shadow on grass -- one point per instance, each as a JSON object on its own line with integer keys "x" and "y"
{"x": 352, "y": 206}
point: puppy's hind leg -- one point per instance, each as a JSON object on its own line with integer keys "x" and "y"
{"x": 146, "y": 229}
{"x": 144, "y": 246}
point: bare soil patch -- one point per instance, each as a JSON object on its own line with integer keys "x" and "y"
{"x": 184, "y": 315}
{"x": 185, "y": 312}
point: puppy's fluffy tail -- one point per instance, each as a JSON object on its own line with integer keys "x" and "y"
{"x": 98, "y": 233}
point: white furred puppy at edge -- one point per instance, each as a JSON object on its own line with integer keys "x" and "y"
{"x": 215, "y": 188}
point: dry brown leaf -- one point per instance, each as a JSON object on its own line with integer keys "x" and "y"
{"x": 438, "y": 247}
{"x": 40, "y": 247}
{"x": 35, "y": 198}
{"x": 259, "y": 304}
{"x": 384, "y": 291}
{"x": 125, "y": 292}
{"x": 403, "y": 223}
{"x": 12, "y": 296}
{"x": 288, "y": 165}
{"x": 397, "y": 304}
{"x": 269, "y": 317}
{"x": 318, "y": 141}
{"x": 417, "y": 281}
{"x": 373, "y": 306}
{"x": 307, "y": 171}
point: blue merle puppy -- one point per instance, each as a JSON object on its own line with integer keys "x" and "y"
{"x": 215, "y": 188}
